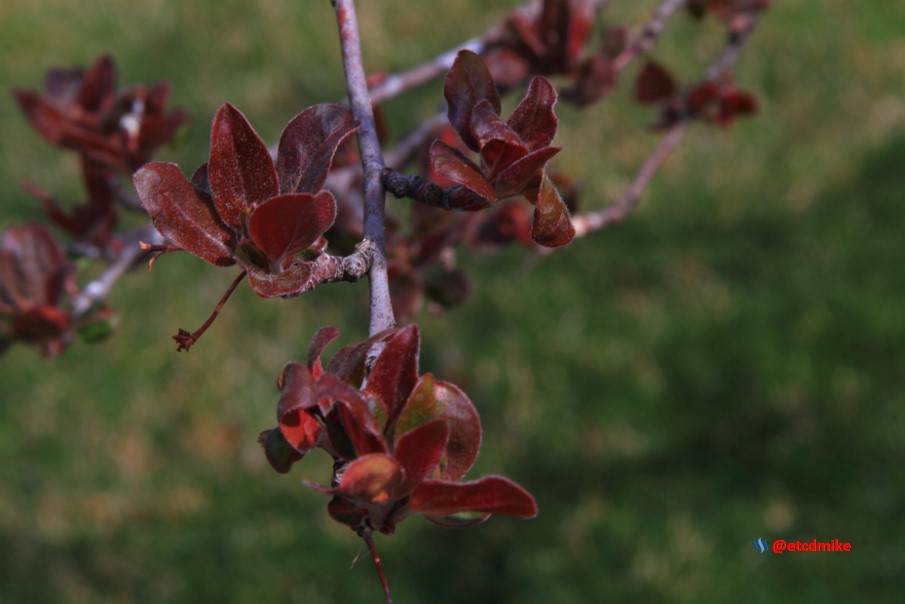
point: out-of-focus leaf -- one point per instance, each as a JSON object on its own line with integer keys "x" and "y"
{"x": 308, "y": 144}
{"x": 467, "y": 84}
{"x": 240, "y": 170}
{"x": 654, "y": 84}
{"x": 182, "y": 214}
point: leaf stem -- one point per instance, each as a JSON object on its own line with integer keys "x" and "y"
{"x": 365, "y": 533}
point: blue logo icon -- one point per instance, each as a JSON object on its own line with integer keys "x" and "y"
{"x": 760, "y": 545}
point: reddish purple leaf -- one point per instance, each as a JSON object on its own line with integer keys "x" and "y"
{"x": 359, "y": 425}
{"x": 493, "y": 494}
{"x": 371, "y": 479}
{"x": 321, "y": 339}
{"x": 287, "y": 224}
{"x": 701, "y": 97}
{"x": 468, "y": 83}
{"x": 552, "y": 223}
{"x": 431, "y": 400}
{"x": 294, "y": 280}
{"x": 533, "y": 121}
{"x": 346, "y": 512}
{"x": 449, "y": 163}
{"x": 278, "y": 451}
{"x": 43, "y": 117}
{"x": 500, "y": 145}
{"x": 581, "y": 25}
{"x": 654, "y": 84}
{"x": 595, "y": 77}
{"x": 98, "y": 85}
{"x": 348, "y": 362}
{"x": 524, "y": 173}
{"x": 395, "y": 371}
{"x": 420, "y": 451}
{"x": 296, "y": 390}
{"x": 182, "y": 214}
{"x": 735, "y": 103}
{"x": 308, "y": 144}
{"x": 33, "y": 269}
{"x": 240, "y": 169}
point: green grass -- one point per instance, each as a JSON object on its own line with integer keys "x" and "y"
{"x": 726, "y": 365}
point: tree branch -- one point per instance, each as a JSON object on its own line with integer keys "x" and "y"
{"x": 381, "y": 309}
{"x": 99, "y": 289}
{"x": 645, "y": 40}
{"x": 622, "y": 207}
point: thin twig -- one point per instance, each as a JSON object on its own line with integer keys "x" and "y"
{"x": 622, "y": 207}
{"x": 396, "y": 84}
{"x": 645, "y": 40}
{"x": 381, "y": 308}
{"x": 99, "y": 289}
{"x": 365, "y": 534}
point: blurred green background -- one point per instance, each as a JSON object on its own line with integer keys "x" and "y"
{"x": 726, "y": 365}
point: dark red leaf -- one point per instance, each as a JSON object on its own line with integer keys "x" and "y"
{"x": 33, "y": 269}
{"x": 240, "y": 169}
{"x": 296, "y": 390}
{"x": 321, "y": 339}
{"x": 395, "y": 371}
{"x": 500, "y": 145}
{"x": 431, "y": 400}
{"x": 468, "y": 83}
{"x": 450, "y": 164}
{"x": 654, "y": 84}
{"x": 493, "y": 494}
{"x": 348, "y": 364}
{"x": 360, "y": 427}
{"x": 43, "y": 117}
{"x": 98, "y": 85}
{"x": 533, "y": 121}
{"x": 182, "y": 214}
{"x": 420, "y": 451}
{"x": 287, "y": 224}
{"x": 346, "y": 512}
{"x": 735, "y": 103}
{"x": 308, "y": 144}
{"x": 371, "y": 479}
{"x": 595, "y": 77}
{"x": 294, "y": 280}
{"x": 525, "y": 172}
{"x": 701, "y": 96}
{"x": 552, "y": 223}
{"x": 279, "y": 452}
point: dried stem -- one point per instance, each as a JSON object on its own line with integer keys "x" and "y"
{"x": 381, "y": 309}
{"x": 622, "y": 207}
{"x": 185, "y": 340}
{"x": 365, "y": 534}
